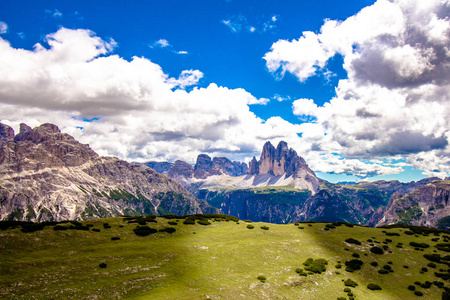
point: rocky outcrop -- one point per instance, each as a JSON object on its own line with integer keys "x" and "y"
{"x": 180, "y": 169}
{"x": 48, "y": 175}
{"x": 424, "y": 206}
{"x": 282, "y": 161}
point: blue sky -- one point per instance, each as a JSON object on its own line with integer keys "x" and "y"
{"x": 253, "y": 51}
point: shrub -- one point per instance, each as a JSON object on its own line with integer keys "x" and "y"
{"x": 426, "y": 285}
{"x": 439, "y": 284}
{"x": 374, "y": 263}
{"x": 168, "y": 230}
{"x": 315, "y": 265}
{"x": 341, "y": 298}
{"x": 301, "y": 227}
{"x": 330, "y": 226}
{"x": 392, "y": 234}
{"x": 144, "y": 230}
{"x": 189, "y": 222}
{"x": 32, "y": 227}
{"x": 355, "y": 255}
{"x": 262, "y": 278}
{"x": 338, "y": 266}
{"x": 248, "y": 221}
{"x": 347, "y": 290}
{"x": 445, "y": 295}
{"x": 96, "y": 229}
{"x": 204, "y": 222}
{"x": 419, "y": 245}
{"x": 433, "y": 257}
{"x": 411, "y": 287}
{"x": 373, "y": 287}
{"x": 383, "y": 271}
{"x": 102, "y": 265}
{"x": 264, "y": 228}
{"x": 353, "y": 265}
{"x": 172, "y": 223}
{"x": 106, "y": 225}
{"x": 353, "y": 241}
{"x": 60, "y": 227}
{"x": 250, "y": 226}
{"x": 301, "y": 272}
{"x": 115, "y": 238}
{"x": 376, "y": 250}
{"x": 350, "y": 282}
{"x": 385, "y": 247}
{"x": 296, "y": 224}
{"x": 408, "y": 232}
{"x": 418, "y": 293}
{"x": 424, "y": 269}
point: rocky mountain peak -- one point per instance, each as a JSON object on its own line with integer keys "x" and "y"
{"x": 277, "y": 161}
{"x": 6, "y": 132}
{"x": 24, "y": 128}
{"x": 204, "y": 162}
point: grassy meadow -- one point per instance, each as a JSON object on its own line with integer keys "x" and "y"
{"x": 218, "y": 261}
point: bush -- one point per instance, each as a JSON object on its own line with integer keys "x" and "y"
{"x": 144, "y": 230}
{"x": 426, "y": 285}
{"x": 373, "y": 287}
{"x": 315, "y": 265}
{"x": 262, "y": 278}
{"x": 189, "y": 222}
{"x": 330, "y": 226}
{"x": 250, "y": 226}
{"x": 301, "y": 272}
{"x": 424, "y": 269}
{"x": 419, "y": 245}
{"x": 264, "y": 228}
{"x": 376, "y": 250}
{"x": 172, "y": 223}
{"x": 102, "y": 265}
{"x": 204, "y": 222}
{"x": 301, "y": 227}
{"x": 445, "y": 295}
{"x": 350, "y": 282}
{"x": 392, "y": 234}
{"x": 60, "y": 227}
{"x": 32, "y": 227}
{"x": 115, "y": 238}
{"x": 96, "y": 229}
{"x": 353, "y": 265}
{"x": 338, "y": 266}
{"x": 374, "y": 263}
{"x": 168, "y": 230}
{"x": 418, "y": 293}
{"x": 439, "y": 284}
{"x": 355, "y": 255}
{"x": 248, "y": 221}
{"x": 106, "y": 225}
{"x": 347, "y": 290}
{"x": 353, "y": 241}
{"x": 383, "y": 271}
{"x": 411, "y": 287}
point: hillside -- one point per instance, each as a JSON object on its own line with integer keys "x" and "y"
{"x": 222, "y": 260}
{"x": 48, "y": 175}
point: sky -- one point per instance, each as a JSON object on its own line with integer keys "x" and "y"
{"x": 360, "y": 89}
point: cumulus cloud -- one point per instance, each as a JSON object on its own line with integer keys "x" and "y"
{"x": 161, "y": 43}
{"x": 3, "y": 27}
{"x": 395, "y": 100}
{"x": 130, "y": 109}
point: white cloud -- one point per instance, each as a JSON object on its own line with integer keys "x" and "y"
{"x": 182, "y": 52}
{"x": 3, "y": 27}
{"x": 235, "y": 23}
{"x": 161, "y": 43}
{"x": 138, "y": 114}
{"x": 304, "y": 107}
{"x": 395, "y": 100}
{"x": 54, "y": 13}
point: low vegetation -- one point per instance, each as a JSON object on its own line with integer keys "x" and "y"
{"x": 217, "y": 257}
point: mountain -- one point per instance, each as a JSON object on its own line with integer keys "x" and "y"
{"x": 425, "y": 206}
{"x": 48, "y": 175}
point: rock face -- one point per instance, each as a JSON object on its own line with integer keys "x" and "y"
{"x": 160, "y": 167}
{"x": 424, "y": 206}
{"x": 282, "y": 161}
{"x": 48, "y": 175}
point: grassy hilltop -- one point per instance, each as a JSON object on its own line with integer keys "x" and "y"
{"x": 222, "y": 260}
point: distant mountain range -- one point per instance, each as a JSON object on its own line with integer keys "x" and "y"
{"x": 281, "y": 188}
{"x": 48, "y": 175}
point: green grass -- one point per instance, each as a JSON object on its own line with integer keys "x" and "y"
{"x": 220, "y": 261}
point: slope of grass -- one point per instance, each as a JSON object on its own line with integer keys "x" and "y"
{"x": 218, "y": 261}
